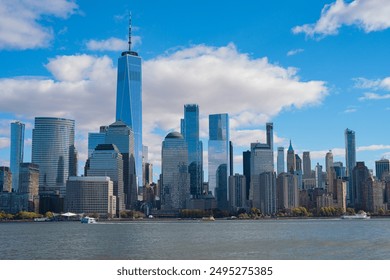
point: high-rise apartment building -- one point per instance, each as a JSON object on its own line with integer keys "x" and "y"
{"x": 106, "y": 160}
{"x": 237, "y": 192}
{"x": 175, "y": 179}
{"x": 246, "y": 167}
{"x": 190, "y": 126}
{"x": 129, "y": 100}
{"x": 360, "y": 174}
{"x": 382, "y": 167}
{"x": 16, "y": 152}
{"x": 54, "y": 152}
{"x": 5, "y": 179}
{"x": 287, "y": 191}
{"x": 280, "y": 160}
{"x": 218, "y": 158}
{"x": 29, "y": 184}
{"x": 350, "y": 159}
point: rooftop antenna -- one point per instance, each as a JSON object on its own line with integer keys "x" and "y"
{"x": 129, "y": 31}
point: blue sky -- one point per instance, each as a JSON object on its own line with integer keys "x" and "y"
{"x": 314, "y": 68}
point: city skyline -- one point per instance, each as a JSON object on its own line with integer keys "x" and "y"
{"x": 312, "y": 89}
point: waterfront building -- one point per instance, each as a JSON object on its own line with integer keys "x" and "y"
{"x": 306, "y": 164}
{"x": 231, "y": 158}
{"x": 246, "y": 167}
{"x": 218, "y": 158}
{"x": 280, "y": 161}
{"x": 119, "y": 134}
{"x": 372, "y": 194}
{"x": 54, "y": 152}
{"x": 96, "y": 138}
{"x": 5, "y": 179}
{"x": 360, "y": 174}
{"x": 291, "y": 163}
{"x": 190, "y": 126}
{"x": 175, "y": 178}
{"x": 263, "y": 181}
{"x": 287, "y": 191}
{"x": 91, "y": 195}
{"x": 129, "y": 100}
{"x": 16, "y": 151}
{"x": 237, "y": 192}
{"x": 106, "y": 160}
{"x": 350, "y": 160}
{"x": 29, "y": 184}
{"x": 382, "y": 167}
{"x": 340, "y": 193}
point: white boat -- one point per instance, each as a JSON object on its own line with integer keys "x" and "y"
{"x": 88, "y": 220}
{"x": 208, "y": 219}
{"x": 359, "y": 216}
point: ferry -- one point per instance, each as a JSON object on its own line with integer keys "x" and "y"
{"x": 88, "y": 220}
{"x": 359, "y": 216}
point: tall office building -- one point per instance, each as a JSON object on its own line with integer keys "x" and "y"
{"x": 5, "y": 179}
{"x": 298, "y": 171}
{"x": 29, "y": 184}
{"x": 319, "y": 178}
{"x": 339, "y": 169}
{"x": 119, "y": 134}
{"x": 218, "y": 158}
{"x": 287, "y": 191}
{"x": 106, "y": 160}
{"x": 175, "y": 179}
{"x": 280, "y": 160}
{"x": 359, "y": 176}
{"x": 129, "y": 100}
{"x": 263, "y": 179}
{"x": 190, "y": 126}
{"x": 306, "y": 162}
{"x": 246, "y": 167}
{"x": 237, "y": 192}
{"x": 16, "y": 154}
{"x": 350, "y": 159}
{"x": 291, "y": 163}
{"x": 382, "y": 167}
{"x": 54, "y": 152}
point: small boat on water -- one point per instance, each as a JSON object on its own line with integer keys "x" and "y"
{"x": 44, "y": 219}
{"x": 208, "y": 219}
{"x": 358, "y": 216}
{"x": 88, "y": 220}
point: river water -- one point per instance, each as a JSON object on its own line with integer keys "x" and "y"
{"x": 322, "y": 239}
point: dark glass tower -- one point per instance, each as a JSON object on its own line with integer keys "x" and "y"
{"x": 350, "y": 159}
{"x": 16, "y": 156}
{"x": 129, "y": 100}
{"x": 190, "y": 127}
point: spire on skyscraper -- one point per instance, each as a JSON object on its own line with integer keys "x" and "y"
{"x": 129, "y": 32}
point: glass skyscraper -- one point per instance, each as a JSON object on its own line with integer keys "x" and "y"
{"x": 54, "y": 151}
{"x": 129, "y": 100}
{"x": 280, "y": 160}
{"x": 175, "y": 180}
{"x": 350, "y": 158}
{"x": 190, "y": 127}
{"x": 218, "y": 158}
{"x": 16, "y": 154}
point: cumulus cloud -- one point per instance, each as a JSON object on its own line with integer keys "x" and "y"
{"x": 377, "y": 84}
{"x": 374, "y": 96}
{"x": 373, "y": 148}
{"x": 21, "y": 22}
{"x": 221, "y": 80}
{"x": 4, "y": 142}
{"x": 112, "y": 44}
{"x": 368, "y": 15}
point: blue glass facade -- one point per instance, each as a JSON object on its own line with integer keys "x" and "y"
{"x": 129, "y": 101}
{"x": 350, "y": 158}
{"x": 16, "y": 154}
{"x": 53, "y": 150}
{"x": 190, "y": 126}
{"x": 218, "y": 158}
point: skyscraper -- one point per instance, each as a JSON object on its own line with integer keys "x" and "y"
{"x": 246, "y": 168}
{"x": 119, "y": 134}
{"x": 382, "y": 167}
{"x": 350, "y": 158}
{"x": 54, "y": 151}
{"x": 190, "y": 126}
{"x": 218, "y": 158}
{"x": 263, "y": 179}
{"x": 291, "y": 164}
{"x": 175, "y": 179}
{"x": 280, "y": 160}
{"x": 16, "y": 154}
{"x": 306, "y": 162}
{"x": 129, "y": 100}
{"x": 106, "y": 160}
{"x": 96, "y": 138}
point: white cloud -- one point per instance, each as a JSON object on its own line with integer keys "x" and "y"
{"x": 112, "y": 44}
{"x": 294, "y": 52}
{"x": 373, "y": 148}
{"x": 220, "y": 80}
{"x": 378, "y": 84}
{"x": 21, "y": 22}
{"x": 350, "y": 110}
{"x": 4, "y": 142}
{"x": 374, "y": 96}
{"x": 368, "y": 15}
